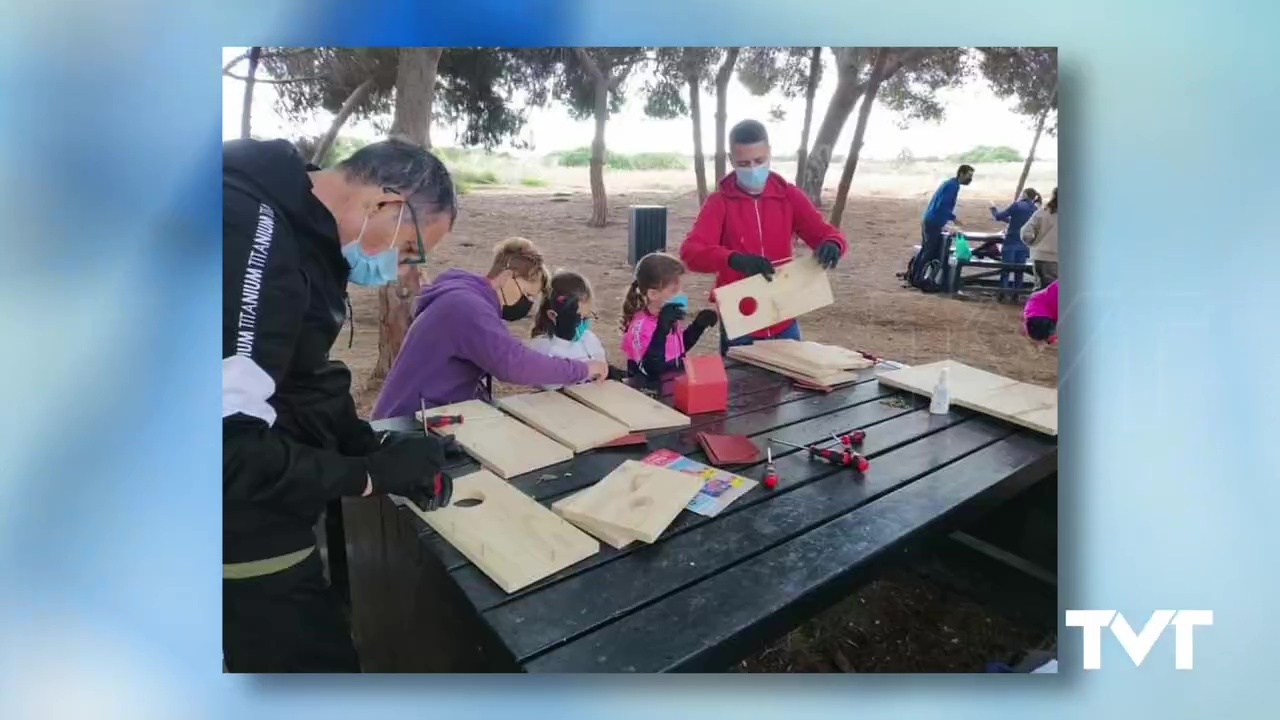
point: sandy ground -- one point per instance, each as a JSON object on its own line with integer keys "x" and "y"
{"x": 899, "y": 623}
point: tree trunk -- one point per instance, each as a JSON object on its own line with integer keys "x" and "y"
{"x": 415, "y": 88}
{"x": 859, "y": 131}
{"x": 810, "y": 91}
{"x": 599, "y": 197}
{"x": 1031, "y": 155}
{"x": 415, "y": 93}
{"x": 699, "y": 161}
{"x": 246, "y": 112}
{"x": 353, "y": 101}
{"x": 848, "y": 67}
{"x": 600, "y": 80}
{"x": 723, "y": 75}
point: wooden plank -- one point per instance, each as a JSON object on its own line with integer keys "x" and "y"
{"x": 1030, "y": 406}
{"x": 812, "y": 359}
{"x": 570, "y": 423}
{"x": 794, "y": 469}
{"x": 712, "y": 622}
{"x": 615, "y": 539}
{"x": 636, "y": 499}
{"x": 500, "y": 443}
{"x": 798, "y": 287}
{"x": 748, "y": 419}
{"x": 637, "y": 411}
{"x": 825, "y": 382}
{"x": 508, "y": 535}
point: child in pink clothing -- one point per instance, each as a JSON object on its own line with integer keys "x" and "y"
{"x": 654, "y": 339}
{"x": 1040, "y": 314}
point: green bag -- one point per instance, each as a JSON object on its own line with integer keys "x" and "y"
{"x": 963, "y": 252}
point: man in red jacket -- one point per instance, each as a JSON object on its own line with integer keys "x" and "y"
{"x": 745, "y": 227}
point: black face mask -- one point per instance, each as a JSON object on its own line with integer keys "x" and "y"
{"x": 517, "y": 310}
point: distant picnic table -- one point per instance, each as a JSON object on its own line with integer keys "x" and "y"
{"x": 710, "y": 591}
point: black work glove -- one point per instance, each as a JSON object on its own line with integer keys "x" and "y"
{"x": 411, "y": 465}
{"x": 751, "y": 265}
{"x": 706, "y": 319}
{"x": 828, "y": 254}
{"x": 617, "y": 373}
{"x": 669, "y": 316}
{"x": 567, "y": 316}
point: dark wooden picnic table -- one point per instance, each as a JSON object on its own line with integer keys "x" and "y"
{"x": 710, "y": 591}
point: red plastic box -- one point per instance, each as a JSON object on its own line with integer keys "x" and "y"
{"x": 704, "y": 387}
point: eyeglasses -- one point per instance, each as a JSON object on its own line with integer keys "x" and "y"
{"x": 421, "y": 257}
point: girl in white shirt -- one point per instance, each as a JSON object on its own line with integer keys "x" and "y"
{"x": 562, "y": 327}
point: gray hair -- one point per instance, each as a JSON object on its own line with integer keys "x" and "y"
{"x": 408, "y": 169}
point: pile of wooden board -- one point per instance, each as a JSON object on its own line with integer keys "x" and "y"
{"x": 635, "y": 502}
{"x": 1030, "y": 406}
{"x": 545, "y": 428}
{"x": 822, "y": 367}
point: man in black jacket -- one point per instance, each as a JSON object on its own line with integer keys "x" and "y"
{"x": 293, "y": 235}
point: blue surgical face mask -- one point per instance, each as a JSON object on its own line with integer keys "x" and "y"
{"x": 752, "y": 179}
{"x": 682, "y": 300}
{"x": 583, "y": 325}
{"x": 372, "y": 270}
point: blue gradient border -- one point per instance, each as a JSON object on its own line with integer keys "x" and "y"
{"x": 109, "y": 519}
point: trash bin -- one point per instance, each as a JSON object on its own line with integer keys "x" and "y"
{"x": 646, "y": 231}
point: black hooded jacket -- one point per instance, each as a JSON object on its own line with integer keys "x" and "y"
{"x": 291, "y": 439}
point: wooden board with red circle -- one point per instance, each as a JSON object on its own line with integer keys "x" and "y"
{"x": 753, "y": 303}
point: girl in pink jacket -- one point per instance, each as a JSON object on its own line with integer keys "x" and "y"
{"x": 654, "y": 336}
{"x": 1040, "y": 314}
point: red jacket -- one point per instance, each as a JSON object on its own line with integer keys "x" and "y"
{"x": 731, "y": 220}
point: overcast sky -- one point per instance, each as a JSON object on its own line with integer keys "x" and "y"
{"x": 974, "y": 117}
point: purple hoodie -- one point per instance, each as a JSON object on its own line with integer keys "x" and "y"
{"x": 457, "y": 336}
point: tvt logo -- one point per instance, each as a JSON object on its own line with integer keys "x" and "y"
{"x": 1137, "y": 645}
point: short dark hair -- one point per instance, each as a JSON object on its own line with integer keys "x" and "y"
{"x": 1040, "y": 327}
{"x": 964, "y": 169}
{"x": 408, "y": 169}
{"x": 748, "y": 132}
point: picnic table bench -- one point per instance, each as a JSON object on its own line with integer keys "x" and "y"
{"x": 710, "y": 591}
{"x": 979, "y": 275}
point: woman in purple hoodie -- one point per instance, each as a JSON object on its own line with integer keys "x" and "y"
{"x": 459, "y": 340}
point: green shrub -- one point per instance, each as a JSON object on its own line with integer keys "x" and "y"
{"x": 988, "y": 154}
{"x": 471, "y": 176}
{"x": 581, "y": 157}
{"x": 533, "y": 182}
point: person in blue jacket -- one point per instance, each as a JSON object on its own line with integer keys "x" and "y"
{"x": 1013, "y": 250}
{"x": 940, "y": 211}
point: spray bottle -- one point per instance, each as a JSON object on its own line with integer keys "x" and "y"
{"x": 940, "y": 404}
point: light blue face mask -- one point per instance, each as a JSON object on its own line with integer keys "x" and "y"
{"x": 752, "y": 179}
{"x": 583, "y": 325}
{"x": 682, "y": 300}
{"x": 372, "y": 270}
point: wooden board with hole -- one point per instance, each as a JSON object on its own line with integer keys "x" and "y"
{"x": 632, "y": 408}
{"x": 614, "y": 538}
{"x": 798, "y": 287}
{"x": 637, "y": 500}
{"x": 507, "y": 534}
{"x": 566, "y": 421}
{"x": 498, "y": 441}
{"x": 1031, "y": 406}
{"x": 807, "y": 358}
